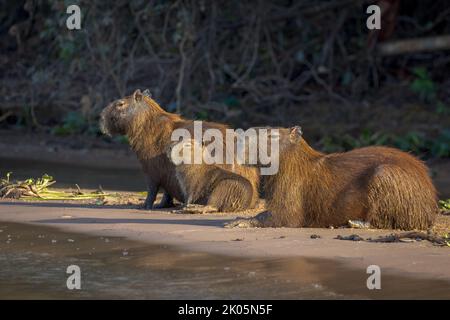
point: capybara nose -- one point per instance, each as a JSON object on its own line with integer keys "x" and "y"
{"x": 102, "y": 124}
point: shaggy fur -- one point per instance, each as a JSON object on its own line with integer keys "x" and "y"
{"x": 212, "y": 185}
{"x": 149, "y": 128}
{"x": 138, "y": 117}
{"x": 384, "y": 186}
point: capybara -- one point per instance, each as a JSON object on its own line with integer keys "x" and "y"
{"x": 384, "y": 186}
{"x": 209, "y": 184}
{"x": 137, "y": 117}
{"x": 149, "y": 129}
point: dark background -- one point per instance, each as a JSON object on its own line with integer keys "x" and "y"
{"x": 308, "y": 63}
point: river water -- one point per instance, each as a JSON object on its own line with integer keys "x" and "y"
{"x": 34, "y": 261}
{"x": 67, "y": 175}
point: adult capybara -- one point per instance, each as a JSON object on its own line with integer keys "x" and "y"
{"x": 137, "y": 117}
{"x": 384, "y": 186}
{"x": 149, "y": 129}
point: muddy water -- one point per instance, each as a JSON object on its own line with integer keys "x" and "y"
{"x": 68, "y": 175}
{"x": 33, "y": 262}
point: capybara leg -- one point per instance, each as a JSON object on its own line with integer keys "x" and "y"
{"x": 231, "y": 195}
{"x": 189, "y": 200}
{"x": 152, "y": 190}
{"x": 262, "y": 220}
{"x": 166, "y": 201}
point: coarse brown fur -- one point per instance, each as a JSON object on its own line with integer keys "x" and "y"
{"x": 149, "y": 129}
{"x": 138, "y": 117}
{"x": 248, "y": 172}
{"x": 384, "y": 186}
{"x": 209, "y": 184}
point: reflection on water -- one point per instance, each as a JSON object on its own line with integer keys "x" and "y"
{"x": 33, "y": 262}
{"x": 68, "y": 175}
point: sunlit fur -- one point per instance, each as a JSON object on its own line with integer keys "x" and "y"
{"x": 139, "y": 118}
{"x": 209, "y": 184}
{"x": 384, "y": 186}
{"x": 149, "y": 128}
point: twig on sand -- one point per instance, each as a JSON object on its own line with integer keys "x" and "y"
{"x": 444, "y": 206}
{"x": 353, "y": 237}
{"x": 38, "y": 189}
{"x": 410, "y": 236}
{"x": 414, "y": 235}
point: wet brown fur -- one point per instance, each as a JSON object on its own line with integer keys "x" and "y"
{"x": 384, "y": 186}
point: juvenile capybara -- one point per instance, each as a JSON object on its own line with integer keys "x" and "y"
{"x": 149, "y": 128}
{"x": 209, "y": 184}
{"x": 383, "y": 186}
{"x": 249, "y": 173}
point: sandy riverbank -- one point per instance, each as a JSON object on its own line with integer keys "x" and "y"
{"x": 205, "y": 233}
{"x": 34, "y": 259}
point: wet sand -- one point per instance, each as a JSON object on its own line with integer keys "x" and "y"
{"x": 34, "y": 260}
{"x": 190, "y": 256}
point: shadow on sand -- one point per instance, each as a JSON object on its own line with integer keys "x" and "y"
{"x": 215, "y": 222}
{"x": 197, "y": 222}
{"x": 76, "y": 205}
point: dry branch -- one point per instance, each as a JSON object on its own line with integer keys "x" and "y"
{"x": 414, "y": 45}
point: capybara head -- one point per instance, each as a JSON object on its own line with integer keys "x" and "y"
{"x": 289, "y": 136}
{"x": 120, "y": 114}
{"x": 283, "y": 137}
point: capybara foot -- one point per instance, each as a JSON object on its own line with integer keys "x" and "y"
{"x": 262, "y": 220}
{"x": 164, "y": 205}
{"x": 196, "y": 209}
{"x": 166, "y": 202}
{"x": 147, "y": 206}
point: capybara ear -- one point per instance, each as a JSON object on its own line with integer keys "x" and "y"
{"x": 137, "y": 95}
{"x": 147, "y": 93}
{"x": 296, "y": 133}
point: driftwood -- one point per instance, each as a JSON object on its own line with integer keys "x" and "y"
{"x": 414, "y": 45}
{"x": 410, "y": 236}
